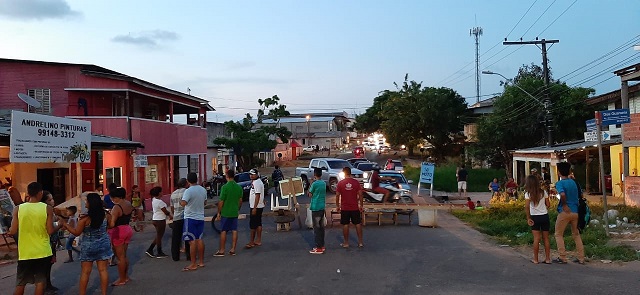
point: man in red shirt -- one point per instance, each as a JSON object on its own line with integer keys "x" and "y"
{"x": 349, "y": 204}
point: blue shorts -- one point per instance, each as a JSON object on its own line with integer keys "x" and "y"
{"x": 229, "y": 223}
{"x": 192, "y": 229}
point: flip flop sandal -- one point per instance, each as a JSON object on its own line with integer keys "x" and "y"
{"x": 232, "y": 253}
{"x": 361, "y": 246}
{"x": 249, "y": 246}
{"x": 118, "y": 284}
{"x": 344, "y": 245}
{"x": 186, "y": 268}
{"x": 534, "y": 262}
{"x": 218, "y": 254}
{"x": 559, "y": 261}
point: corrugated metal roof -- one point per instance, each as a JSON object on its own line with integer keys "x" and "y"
{"x": 299, "y": 120}
{"x": 573, "y": 145}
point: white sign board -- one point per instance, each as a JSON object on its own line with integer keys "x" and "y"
{"x": 39, "y": 138}
{"x": 140, "y": 161}
{"x": 591, "y": 135}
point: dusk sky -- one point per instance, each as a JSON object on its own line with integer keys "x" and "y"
{"x": 322, "y": 55}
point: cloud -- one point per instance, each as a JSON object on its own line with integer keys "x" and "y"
{"x": 37, "y": 9}
{"x": 146, "y": 38}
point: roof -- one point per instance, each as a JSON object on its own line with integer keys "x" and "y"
{"x": 295, "y": 144}
{"x": 93, "y": 70}
{"x": 484, "y": 103}
{"x": 560, "y": 148}
{"x": 329, "y": 114}
{"x": 299, "y": 120}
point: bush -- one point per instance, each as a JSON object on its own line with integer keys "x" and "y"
{"x": 445, "y": 178}
{"x": 506, "y": 222}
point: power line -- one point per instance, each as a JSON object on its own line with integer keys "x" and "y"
{"x": 536, "y": 21}
{"x": 545, "y": 29}
{"x": 525, "y": 14}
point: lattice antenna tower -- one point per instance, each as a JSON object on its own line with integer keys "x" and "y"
{"x": 476, "y": 32}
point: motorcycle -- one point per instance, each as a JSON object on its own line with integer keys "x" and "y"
{"x": 398, "y": 196}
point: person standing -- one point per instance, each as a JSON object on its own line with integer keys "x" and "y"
{"x": 95, "y": 244}
{"x": 178, "y": 221}
{"x": 461, "y": 176}
{"x": 349, "y": 204}
{"x": 277, "y": 176}
{"x": 193, "y": 201}
{"x": 73, "y": 220}
{"x": 567, "y": 213}
{"x": 536, "y": 204}
{"x": 137, "y": 203}
{"x": 120, "y": 232}
{"x": 107, "y": 198}
{"x": 159, "y": 218}
{"x": 54, "y": 239}
{"x": 317, "y": 193}
{"x": 33, "y": 222}
{"x": 256, "y": 203}
{"x": 228, "y": 207}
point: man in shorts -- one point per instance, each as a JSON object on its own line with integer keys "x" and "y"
{"x": 256, "y": 203}
{"x": 193, "y": 201}
{"x": 349, "y": 204}
{"x": 177, "y": 230}
{"x": 33, "y": 221}
{"x": 462, "y": 181}
{"x": 228, "y": 207}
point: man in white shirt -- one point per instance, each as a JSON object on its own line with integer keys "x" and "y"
{"x": 256, "y": 203}
{"x": 193, "y": 200}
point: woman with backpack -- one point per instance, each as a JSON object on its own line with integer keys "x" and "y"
{"x": 536, "y": 205}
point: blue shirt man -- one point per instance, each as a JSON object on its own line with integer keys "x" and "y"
{"x": 570, "y": 189}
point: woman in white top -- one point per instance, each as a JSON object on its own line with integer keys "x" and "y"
{"x": 537, "y": 203}
{"x": 160, "y": 214}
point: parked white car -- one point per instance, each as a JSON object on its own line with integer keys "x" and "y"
{"x": 310, "y": 148}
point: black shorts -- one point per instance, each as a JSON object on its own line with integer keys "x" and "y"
{"x": 32, "y": 271}
{"x": 354, "y": 216}
{"x": 255, "y": 220}
{"x": 540, "y": 222}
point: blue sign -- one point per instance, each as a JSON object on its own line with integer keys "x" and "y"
{"x": 426, "y": 172}
{"x": 591, "y": 125}
{"x": 617, "y": 116}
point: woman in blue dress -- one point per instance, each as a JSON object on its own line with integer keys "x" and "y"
{"x": 95, "y": 245}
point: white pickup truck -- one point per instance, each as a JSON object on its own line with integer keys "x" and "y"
{"x": 331, "y": 171}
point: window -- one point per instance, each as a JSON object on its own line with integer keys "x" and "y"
{"x": 114, "y": 175}
{"x": 153, "y": 112}
{"x": 118, "y": 105}
{"x": 43, "y": 96}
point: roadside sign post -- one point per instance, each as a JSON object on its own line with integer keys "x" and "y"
{"x": 602, "y": 181}
{"x": 426, "y": 176}
{"x": 609, "y": 117}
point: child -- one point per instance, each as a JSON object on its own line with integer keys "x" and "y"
{"x": 160, "y": 214}
{"x": 73, "y": 220}
{"x": 479, "y": 205}
{"x": 470, "y": 204}
{"x": 536, "y": 205}
{"x": 317, "y": 192}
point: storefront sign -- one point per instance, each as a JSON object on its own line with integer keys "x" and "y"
{"x": 140, "y": 161}
{"x": 39, "y": 138}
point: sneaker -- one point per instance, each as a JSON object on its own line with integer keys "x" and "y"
{"x": 317, "y": 251}
{"x": 150, "y": 254}
{"x": 161, "y": 255}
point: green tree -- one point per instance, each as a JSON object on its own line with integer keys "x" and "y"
{"x": 413, "y": 114}
{"x": 246, "y": 139}
{"x": 517, "y": 120}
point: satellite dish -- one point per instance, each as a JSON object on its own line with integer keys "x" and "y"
{"x": 32, "y": 102}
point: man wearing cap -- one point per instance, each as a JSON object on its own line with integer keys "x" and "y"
{"x": 256, "y": 204}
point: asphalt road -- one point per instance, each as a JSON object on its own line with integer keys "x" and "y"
{"x": 402, "y": 259}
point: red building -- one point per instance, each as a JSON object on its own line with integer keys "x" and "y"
{"x": 119, "y": 106}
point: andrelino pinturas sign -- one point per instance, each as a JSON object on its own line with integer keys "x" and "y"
{"x": 39, "y": 138}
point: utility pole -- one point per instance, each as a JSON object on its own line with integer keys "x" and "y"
{"x": 545, "y": 72}
{"x": 477, "y": 32}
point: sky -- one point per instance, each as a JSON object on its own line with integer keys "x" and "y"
{"x": 323, "y": 55}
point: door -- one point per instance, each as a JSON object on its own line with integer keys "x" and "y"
{"x": 54, "y": 180}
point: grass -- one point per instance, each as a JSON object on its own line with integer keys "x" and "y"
{"x": 507, "y": 224}
{"x": 445, "y": 178}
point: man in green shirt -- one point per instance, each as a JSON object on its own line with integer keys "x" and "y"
{"x": 228, "y": 207}
{"x": 317, "y": 192}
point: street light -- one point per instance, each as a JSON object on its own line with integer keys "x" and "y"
{"x": 514, "y": 84}
{"x": 545, "y": 105}
{"x": 308, "y": 133}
